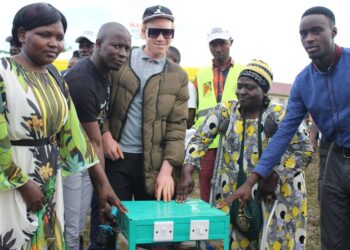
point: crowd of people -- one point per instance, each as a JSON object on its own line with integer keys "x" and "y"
{"x": 113, "y": 127}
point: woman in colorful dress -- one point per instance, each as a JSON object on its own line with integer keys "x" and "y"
{"x": 246, "y": 118}
{"x": 40, "y": 136}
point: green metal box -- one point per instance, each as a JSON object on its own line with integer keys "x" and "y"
{"x": 158, "y": 221}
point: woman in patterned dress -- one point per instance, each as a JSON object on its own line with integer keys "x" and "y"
{"x": 287, "y": 229}
{"x": 40, "y": 137}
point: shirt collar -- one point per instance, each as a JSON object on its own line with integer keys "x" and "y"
{"x": 229, "y": 63}
{"x": 338, "y": 51}
{"x": 145, "y": 57}
{"x": 335, "y": 60}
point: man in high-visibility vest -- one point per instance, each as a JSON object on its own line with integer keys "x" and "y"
{"x": 214, "y": 84}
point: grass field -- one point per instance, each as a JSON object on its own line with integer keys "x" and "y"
{"x": 313, "y": 231}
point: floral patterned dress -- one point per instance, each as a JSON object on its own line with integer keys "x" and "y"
{"x": 33, "y": 107}
{"x": 287, "y": 229}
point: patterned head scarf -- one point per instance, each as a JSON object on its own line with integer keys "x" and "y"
{"x": 260, "y": 72}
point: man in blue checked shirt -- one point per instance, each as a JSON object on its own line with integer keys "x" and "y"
{"x": 323, "y": 89}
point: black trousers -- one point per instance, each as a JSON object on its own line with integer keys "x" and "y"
{"x": 127, "y": 177}
{"x": 335, "y": 202}
{"x": 323, "y": 153}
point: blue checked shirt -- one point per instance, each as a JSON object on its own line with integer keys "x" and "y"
{"x": 326, "y": 95}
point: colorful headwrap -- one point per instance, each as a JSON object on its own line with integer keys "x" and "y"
{"x": 260, "y": 72}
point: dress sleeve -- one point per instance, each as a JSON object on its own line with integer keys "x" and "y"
{"x": 206, "y": 133}
{"x": 11, "y": 175}
{"x": 76, "y": 151}
{"x": 278, "y": 144}
{"x": 298, "y": 154}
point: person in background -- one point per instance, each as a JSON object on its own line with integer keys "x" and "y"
{"x": 14, "y": 50}
{"x": 89, "y": 87}
{"x": 251, "y": 121}
{"x": 214, "y": 84}
{"x": 86, "y": 43}
{"x": 72, "y": 61}
{"x": 322, "y": 89}
{"x": 174, "y": 54}
{"x": 41, "y": 137}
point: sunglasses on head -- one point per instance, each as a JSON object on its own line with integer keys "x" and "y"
{"x": 154, "y": 33}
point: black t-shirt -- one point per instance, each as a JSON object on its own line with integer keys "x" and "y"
{"x": 89, "y": 91}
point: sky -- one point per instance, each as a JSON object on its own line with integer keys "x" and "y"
{"x": 261, "y": 29}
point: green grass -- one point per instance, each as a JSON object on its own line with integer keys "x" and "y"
{"x": 313, "y": 227}
{"x": 313, "y": 230}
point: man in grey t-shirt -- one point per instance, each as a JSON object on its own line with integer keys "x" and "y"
{"x": 143, "y": 138}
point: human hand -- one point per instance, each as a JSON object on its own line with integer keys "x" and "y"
{"x": 107, "y": 199}
{"x": 243, "y": 193}
{"x": 32, "y": 195}
{"x": 185, "y": 184}
{"x": 268, "y": 187}
{"x": 165, "y": 183}
{"x": 111, "y": 148}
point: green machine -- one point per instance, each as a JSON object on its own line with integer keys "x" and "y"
{"x": 158, "y": 222}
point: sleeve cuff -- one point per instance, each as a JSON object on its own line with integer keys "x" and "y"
{"x": 262, "y": 172}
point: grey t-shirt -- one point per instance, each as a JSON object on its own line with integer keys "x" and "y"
{"x": 144, "y": 67}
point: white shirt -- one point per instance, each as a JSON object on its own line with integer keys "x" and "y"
{"x": 192, "y": 102}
